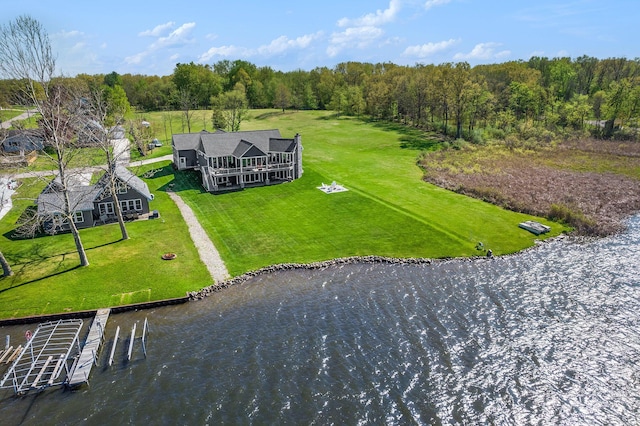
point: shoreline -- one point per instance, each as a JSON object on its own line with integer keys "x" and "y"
{"x": 352, "y": 260}
{"x": 209, "y": 290}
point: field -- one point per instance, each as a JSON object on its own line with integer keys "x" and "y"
{"x": 389, "y": 210}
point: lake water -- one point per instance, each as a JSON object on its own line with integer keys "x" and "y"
{"x": 549, "y": 336}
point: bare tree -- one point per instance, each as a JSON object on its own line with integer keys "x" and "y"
{"x": 25, "y": 54}
{"x": 187, "y": 103}
{"x": 4, "y": 198}
{"x": 113, "y": 144}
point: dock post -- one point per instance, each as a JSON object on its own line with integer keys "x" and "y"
{"x": 144, "y": 335}
{"x": 133, "y": 337}
{"x": 8, "y": 340}
{"x": 113, "y": 348}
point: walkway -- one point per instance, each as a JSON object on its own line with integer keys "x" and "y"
{"x": 208, "y": 252}
{"x": 25, "y": 115}
{"x": 90, "y": 350}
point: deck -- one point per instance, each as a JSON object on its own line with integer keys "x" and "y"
{"x": 89, "y": 353}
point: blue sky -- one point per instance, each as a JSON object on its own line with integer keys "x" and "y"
{"x": 151, "y": 37}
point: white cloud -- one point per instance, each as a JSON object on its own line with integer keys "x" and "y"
{"x": 136, "y": 59}
{"x": 283, "y": 43}
{"x": 483, "y": 51}
{"x": 225, "y": 51}
{"x": 68, "y": 34}
{"x": 277, "y": 46}
{"x": 372, "y": 19}
{"x": 428, "y": 49}
{"x": 431, "y": 3}
{"x": 359, "y": 37}
{"x": 158, "y": 30}
{"x": 177, "y": 37}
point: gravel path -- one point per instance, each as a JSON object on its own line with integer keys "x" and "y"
{"x": 207, "y": 250}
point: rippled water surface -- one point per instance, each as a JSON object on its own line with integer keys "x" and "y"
{"x": 549, "y": 336}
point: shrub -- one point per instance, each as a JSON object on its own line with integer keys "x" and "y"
{"x": 494, "y": 133}
{"x": 459, "y": 144}
{"x": 572, "y": 217}
{"x": 476, "y": 137}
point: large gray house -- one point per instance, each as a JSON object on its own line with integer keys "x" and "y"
{"x": 93, "y": 204}
{"x": 235, "y": 160}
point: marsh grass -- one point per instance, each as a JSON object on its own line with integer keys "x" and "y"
{"x": 590, "y": 185}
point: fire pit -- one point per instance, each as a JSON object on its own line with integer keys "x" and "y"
{"x": 169, "y": 256}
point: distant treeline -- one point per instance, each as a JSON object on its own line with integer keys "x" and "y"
{"x": 535, "y": 99}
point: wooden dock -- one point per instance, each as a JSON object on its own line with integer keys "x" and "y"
{"x": 90, "y": 350}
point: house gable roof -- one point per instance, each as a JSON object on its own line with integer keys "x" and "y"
{"x": 282, "y": 145}
{"x": 83, "y": 197}
{"x": 185, "y": 141}
{"x": 253, "y": 143}
{"x": 80, "y": 198}
{"x": 29, "y": 139}
{"x": 126, "y": 176}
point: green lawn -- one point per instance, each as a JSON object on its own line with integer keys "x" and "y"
{"x": 7, "y": 114}
{"x": 387, "y": 211}
{"x": 48, "y": 280}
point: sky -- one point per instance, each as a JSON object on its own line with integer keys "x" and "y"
{"x": 151, "y": 37}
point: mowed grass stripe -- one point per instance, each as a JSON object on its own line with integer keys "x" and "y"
{"x": 389, "y": 210}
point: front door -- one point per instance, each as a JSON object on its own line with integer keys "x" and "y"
{"x": 183, "y": 163}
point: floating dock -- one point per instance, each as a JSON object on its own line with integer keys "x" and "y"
{"x": 89, "y": 354}
{"x": 535, "y": 227}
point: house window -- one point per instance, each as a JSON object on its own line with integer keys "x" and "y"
{"x": 253, "y": 177}
{"x": 106, "y": 208}
{"x": 129, "y": 205}
{"x": 122, "y": 188}
{"x": 78, "y": 217}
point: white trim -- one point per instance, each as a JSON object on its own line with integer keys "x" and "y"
{"x": 129, "y": 205}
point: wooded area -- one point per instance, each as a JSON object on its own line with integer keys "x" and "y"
{"x": 535, "y": 100}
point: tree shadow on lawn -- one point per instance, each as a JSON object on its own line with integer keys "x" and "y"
{"x": 186, "y": 180}
{"x": 333, "y": 116}
{"x": 267, "y": 115}
{"x": 411, "y": 137}
{"x": 159, "y": 172}
{"x": 35, "y": 280}
{"x": 34, "y": 257}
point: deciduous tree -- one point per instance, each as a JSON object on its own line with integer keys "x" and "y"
{"x": 25, "y": 53}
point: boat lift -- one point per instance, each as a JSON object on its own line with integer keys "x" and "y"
{"x": 46, "y": 359}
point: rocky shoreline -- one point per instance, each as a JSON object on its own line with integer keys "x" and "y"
{"x": 216, "y": 287}
{"x": 207, "y": 291}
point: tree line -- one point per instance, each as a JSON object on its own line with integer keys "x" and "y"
{"x": 555, "y": 95}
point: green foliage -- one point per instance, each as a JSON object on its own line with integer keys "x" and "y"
{"x": 571, "y": 217}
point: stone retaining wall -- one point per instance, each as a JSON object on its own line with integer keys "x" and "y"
{"x": 197, "y": 295}
{"x": 200, "y": 294}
